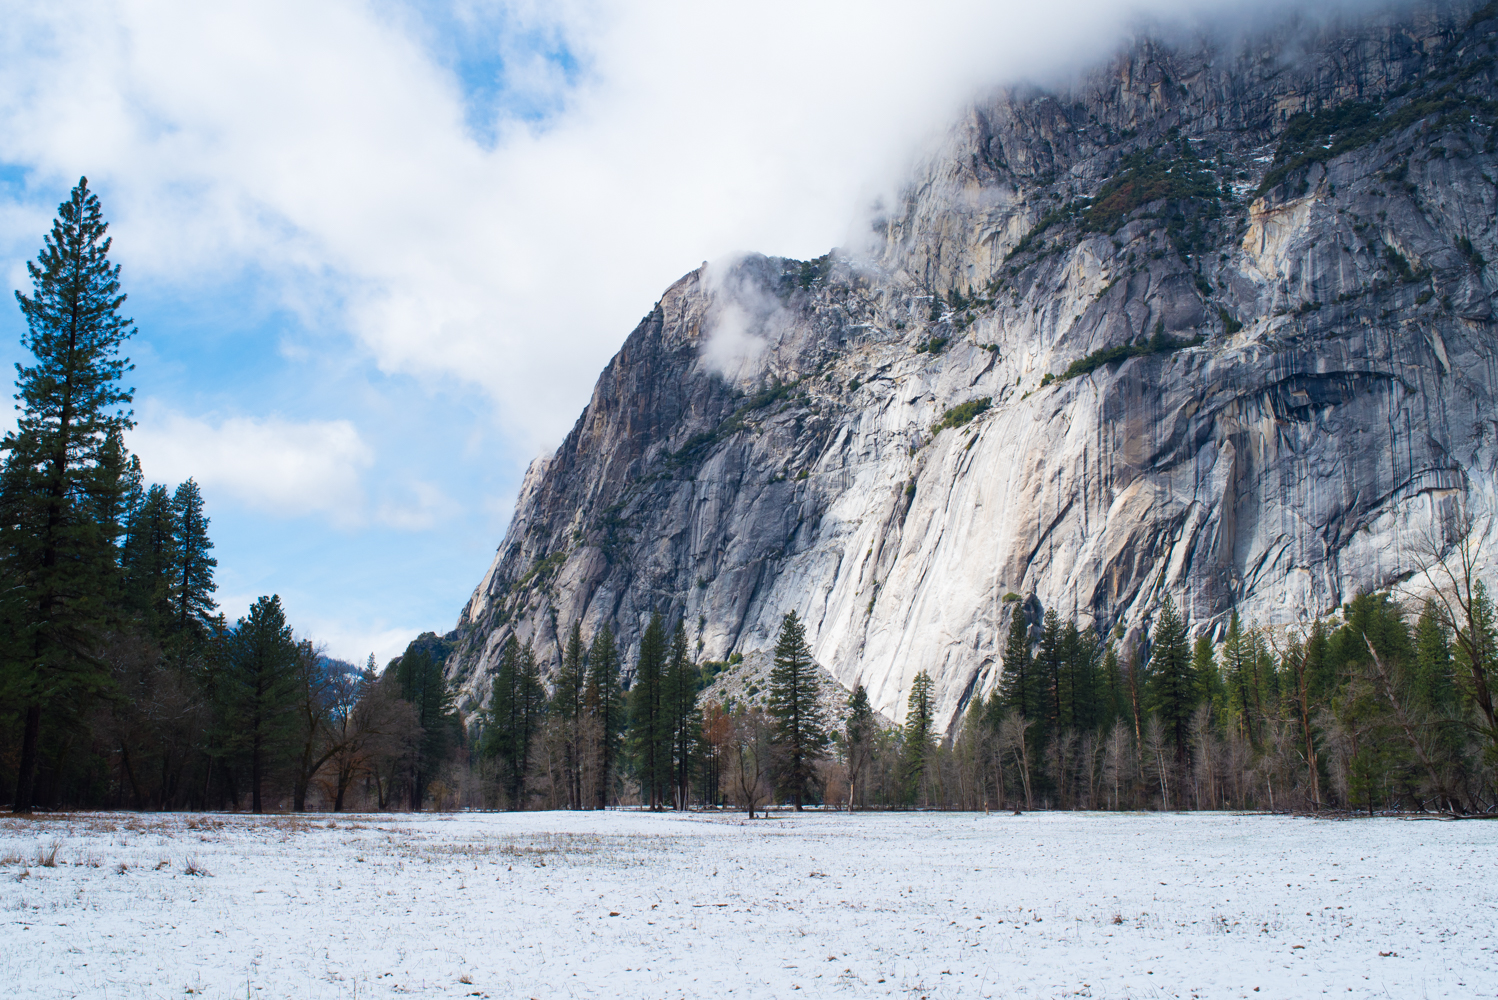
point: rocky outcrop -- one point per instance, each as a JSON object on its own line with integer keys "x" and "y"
{"x": 1222, "y": 316}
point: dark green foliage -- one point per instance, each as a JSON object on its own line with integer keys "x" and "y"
{"x": 1019, "y": 691}
{"x": 935, "y": 345}
{"x": 962, "y": 413}
{"x": 1052, "y": 218}
{"x": 651, "y": 734}
{"x": 1433, "y": 686}
{"x": 605, "y": 704}
{"x": 919, "y": 737}
{"x": 1230, "y": 325}
{"x": 1306, "y": 137}
{"x": 683, "y": 718}
{"x": 812, "y": 272}
{"x": 1080, "y": 687}
{"x": 569, "y": 708}
{"x": 1159, "y": 343}
{"x": 149, "y": 561}
{"x": 1209, "y": 686}
{"x": 256, "y": 693}
{"x": 699, "y": 445}
{"x": 1330, "y": 132}
{"x": 1148, "y": 176}
{"x": 418, "y": 675}
{"x": 63, "y": 466}
{"x": 191, "y": 585}
{"x": 1050, "y": 658}
{"x": 859, "y": 734}
{"x": 517, "y": 707}
{"x": 800, "y": 733}
{"x": 1173, "y": 687}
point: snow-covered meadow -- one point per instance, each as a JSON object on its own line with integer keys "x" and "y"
{"x": 625, "y": 904}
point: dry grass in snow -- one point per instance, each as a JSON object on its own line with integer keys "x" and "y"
{"x": 633, "y": 905}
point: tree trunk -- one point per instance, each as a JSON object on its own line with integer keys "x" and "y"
{"x": 26, "y": 777}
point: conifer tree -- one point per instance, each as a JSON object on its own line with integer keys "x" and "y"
{"x": 1209, "y": 688}
{"x": 919, "y": 726}
{"x": 1172, "y": 691}
{"x": 650, "y": 737}
{"x": 568, "y": 707}
{"x": 1238, "y": 664}
{"x": 1050, "y": 658}
{"x": 605, "y": 704}
{"x": 192, "y": 583}
{"x": 1432, "y": 686}
{"x": 257, "y": 692}
{"x": 684, "y": 719}
{"x": 516, "y": 711}
{"x": 149, "y": 559}
{"x": 858, "y": 741}
{"x": 59, "y": 471}
{"x": 1115, "y": 698}
{"x": 800, "y": 735}
{"x": 1017, "y": 688}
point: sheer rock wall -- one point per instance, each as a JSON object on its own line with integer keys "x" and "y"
{"x": 764, "y": 439}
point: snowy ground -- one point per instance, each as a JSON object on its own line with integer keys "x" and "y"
{"x": 632, "y": 905}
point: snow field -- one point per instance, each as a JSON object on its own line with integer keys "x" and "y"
{"x": 626, "y": 904}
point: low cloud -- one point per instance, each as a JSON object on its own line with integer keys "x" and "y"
{"x": 278, "y": 466}
{"x": 743, "y": 321}
{"x": 331, "y": 151}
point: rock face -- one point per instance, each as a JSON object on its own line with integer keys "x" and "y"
{"x": 1284, "y": 239}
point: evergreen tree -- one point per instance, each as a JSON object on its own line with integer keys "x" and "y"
{"x": 650, "y": 736}
{"x": 1242, "y": 689}
{"x": 568, "y": 706}
{"x": 1050, "y": 658}
{"x": 1173, "y": 689}
{"x": 1209, "y": 687}
{"x": 1114, "y": 698}
{"x": 516, "y": 712}
{"x": 605, "y": 703}
{"x": 59, "y": 472}
{"x": 192, "y": 583}
{"x": 1321, "y": 680}
{"x": 257, "y": 692}
{"x": 1081, "y": 685}
{"x": 800, "y": 735}
{"x": 1017, "y": 688}
{"x": 149, "y": 558}
{"x": 682, "y": 715}
{"x": 919, "y": 732}
{"x": 858, "y": 741}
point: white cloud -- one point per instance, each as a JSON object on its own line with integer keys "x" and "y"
{"x": 743, "y": 320}
{"x": 274, "y": 465}
{"x": 327, "y": 146}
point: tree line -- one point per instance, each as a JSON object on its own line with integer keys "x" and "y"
{"x": 121, "y": 683}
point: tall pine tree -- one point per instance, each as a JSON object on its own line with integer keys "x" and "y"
{"x": 1172, "y": 690}
{"x": 568, "y": 707}
{"x": 650, "y": 735}
{"x": 192, "y": 583}
{"x": 800, "y": 733}
{"x": 58, "y": 473}
{"x": 257, "y": 693}
{"x": 605, "y": 703}
{"x": 681, "y": 712}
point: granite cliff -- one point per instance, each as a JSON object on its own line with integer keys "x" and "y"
{"x": 1215, "y": 320}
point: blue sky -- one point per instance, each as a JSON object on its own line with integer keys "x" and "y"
{"x": 379, "y": 251}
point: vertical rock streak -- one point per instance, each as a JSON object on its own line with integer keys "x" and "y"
{"x": 1309, "y": 391}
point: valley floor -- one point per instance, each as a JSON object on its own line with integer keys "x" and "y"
{"x": 624, "y": 904}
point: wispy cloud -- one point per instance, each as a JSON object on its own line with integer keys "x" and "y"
{"x": 331, "y": 147}
{"x": 282, "y": 467}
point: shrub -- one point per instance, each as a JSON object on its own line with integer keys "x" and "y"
{"x": 961, "y": 414}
